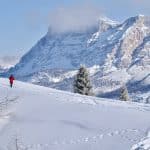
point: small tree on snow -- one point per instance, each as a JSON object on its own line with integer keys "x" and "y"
{"x": 82, "y": 83}
{"x": 16, "y": 144}
{"x": 124, "y": 96}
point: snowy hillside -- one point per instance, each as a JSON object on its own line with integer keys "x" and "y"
{"x": 39, "y": 118}
{"x": 117, "y": 52}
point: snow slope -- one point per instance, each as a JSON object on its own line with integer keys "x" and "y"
{"x": 41, "y": 118}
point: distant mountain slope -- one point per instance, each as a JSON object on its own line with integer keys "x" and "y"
{"x": 43, "y": 119}
{"x": 119, "y": 51}
{"x": 3, "y": 69}
{"x": 7, "y": 62}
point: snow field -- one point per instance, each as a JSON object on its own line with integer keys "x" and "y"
{"x": 43, "y": 119}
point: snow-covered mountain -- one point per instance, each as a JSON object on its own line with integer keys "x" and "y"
{"x": 1, "y": 69}
{"x": 6, "y": 62}
{"x": 115, "y": 53}
{"x": 40, "y": 118}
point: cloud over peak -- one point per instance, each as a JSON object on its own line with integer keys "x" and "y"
{"x": 74, "y": 18}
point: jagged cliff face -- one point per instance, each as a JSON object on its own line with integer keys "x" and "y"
{"x": 131, "y": 39}
{"x": 114, "y": 52}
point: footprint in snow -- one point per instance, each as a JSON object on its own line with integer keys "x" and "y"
{"x": 110, "y": 134}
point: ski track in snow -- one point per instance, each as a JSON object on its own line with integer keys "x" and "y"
{"x": 5, "y": 105}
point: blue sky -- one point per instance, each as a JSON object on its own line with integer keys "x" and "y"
{"x": 24, "y": 22}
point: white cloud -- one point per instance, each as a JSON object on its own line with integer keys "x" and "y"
{"x": 74, "y": 18}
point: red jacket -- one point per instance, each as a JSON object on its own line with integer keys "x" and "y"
{"x": 11, "y": 79}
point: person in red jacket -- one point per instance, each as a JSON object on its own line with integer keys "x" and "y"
{"x": 11, "y": 80}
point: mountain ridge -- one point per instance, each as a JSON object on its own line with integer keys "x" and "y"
{"x": 117, "y": 49}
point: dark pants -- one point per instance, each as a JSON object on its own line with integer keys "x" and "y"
{"x": 11, "y": 84}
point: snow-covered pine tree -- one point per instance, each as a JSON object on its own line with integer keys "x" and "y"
{"x": 82, "y": 83}
{"x": 124, "y": 96}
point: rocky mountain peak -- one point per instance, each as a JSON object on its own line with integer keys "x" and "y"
{"x": 139, "y": 19}
{"x": 135, "y": 31}
{"x": 106, "y": 23}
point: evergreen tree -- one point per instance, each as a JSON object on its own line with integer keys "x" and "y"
{"x": 124, "y": 96}
{"x": 82, "y": 83}
{"x": 147, "y": 100}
